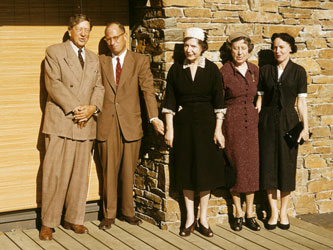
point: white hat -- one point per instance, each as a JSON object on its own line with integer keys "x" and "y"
{"x": 195, "y": 33}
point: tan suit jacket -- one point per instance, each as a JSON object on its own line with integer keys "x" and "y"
{"x": 69, "y": 86}
{"x": 122, "y": 103}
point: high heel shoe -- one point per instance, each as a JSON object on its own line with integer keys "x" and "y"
{"x": 186, "y": 231}
{"x": 237, "y": 224}
{"x": 252, "y": 224}
{"x": 283, "y": 226}
{"x": 205, "y": 231}
{"x": 270, "y": 226}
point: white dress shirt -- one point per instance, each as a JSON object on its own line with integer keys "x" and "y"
{"x": 76, "y": 50}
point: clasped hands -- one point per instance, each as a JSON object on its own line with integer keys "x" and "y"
{"x": 82, "y": 114}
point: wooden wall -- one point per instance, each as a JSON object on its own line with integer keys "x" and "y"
{"x": 27, "y": 28}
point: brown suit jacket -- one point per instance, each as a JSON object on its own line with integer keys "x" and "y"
{"x": 122, "y": 104}
{"x": 69, "y": 86}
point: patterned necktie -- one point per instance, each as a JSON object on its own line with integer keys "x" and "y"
{"x": 81, "y": 58}
{"x": 118, "y": 71}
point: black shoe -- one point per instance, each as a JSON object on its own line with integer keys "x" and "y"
{"x": 252, "y": 224}
{"x": 270, "y": 226}
{"x": 187, "y": 231}
{"x": 237, "y": 224}
{"x": 283, "y": 226}
{"x": 205, "y": 231}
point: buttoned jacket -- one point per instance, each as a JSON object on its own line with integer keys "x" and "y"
{"x": 69, "y": 86}
{"x": 122, "y": 103}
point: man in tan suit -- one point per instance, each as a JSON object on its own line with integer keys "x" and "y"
{"x": 119, "y": 126}
{"x": 75, "y": 96}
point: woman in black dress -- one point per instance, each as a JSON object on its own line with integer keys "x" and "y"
{"x": 192, "y": 108}
{"x": 280, "y": 84}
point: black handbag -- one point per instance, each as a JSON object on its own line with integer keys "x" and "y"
{"x": 229, "y": 172}
{"x": 292, "y": 136}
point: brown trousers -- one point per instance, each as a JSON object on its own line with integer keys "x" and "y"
{"x": 65, "y": 180}
{"x": 119, "y": 160}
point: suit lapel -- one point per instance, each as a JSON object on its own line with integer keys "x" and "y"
{"x": 73, "y": 61}
{"x": 89, "y": 68}
{"x": 108, "y": 70}
{"x": 127, "y": 69}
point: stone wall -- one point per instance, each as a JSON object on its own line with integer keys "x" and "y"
{"x": 158, "y": 31}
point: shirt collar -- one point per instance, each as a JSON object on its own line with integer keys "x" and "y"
{"x": 201, "y": 63}
{"x": 249, "y": 68}
{"x": 75, "y": 48}
{"x": 121, "y": 56}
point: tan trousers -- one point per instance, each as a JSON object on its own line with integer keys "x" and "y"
{"x": 119, "y": 159}
{"x": 65, "y": 180}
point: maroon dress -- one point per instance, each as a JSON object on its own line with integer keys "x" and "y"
{"x": 240, "y": 126}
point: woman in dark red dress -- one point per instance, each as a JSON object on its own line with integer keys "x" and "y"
{"x": 280, "y": 85}
{"x": 192, "y": 108}
{"x": 240, "y": 126}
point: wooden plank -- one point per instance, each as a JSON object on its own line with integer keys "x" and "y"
{"x": 145, "y": 236}
{"x": 219, "y": 240}
{"x": 317, "y": 237}
{"x": 203, "y": 243}
{"x": 6, "y": 243}
{"x": 49, "y": 245}
{"x": 67, "y": 241}
{"x": 259, "y": 239}
{"x": 168, "y": 236}
{"x": 237, "y": 238}
{"x": 311, "y": 227}
{"x": 104, "y": 237}
{"x": 270, "y": 235}
{"x": 300, "y": 239}
{"x": 127, "y": 238}
{"x": 85, "y": 239}
{"x": 22, "y": 240}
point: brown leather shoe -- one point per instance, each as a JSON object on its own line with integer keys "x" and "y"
{"x": 106, "y": 224}
{"x": 79, "y": 229}
{"x": 45, "y": 233}
{"x": 131, "y": 220}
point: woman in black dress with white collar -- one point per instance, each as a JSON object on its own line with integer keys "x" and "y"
{"x": 193, "y": 111}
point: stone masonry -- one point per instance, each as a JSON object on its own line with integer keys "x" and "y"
{"x": 157, "y": 29}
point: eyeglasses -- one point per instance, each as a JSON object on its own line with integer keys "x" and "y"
{"x": 114, "y": 38}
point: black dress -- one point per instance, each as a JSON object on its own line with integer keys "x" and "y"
{"x": 278, "y": 116}
{"x": 197, "y": 160}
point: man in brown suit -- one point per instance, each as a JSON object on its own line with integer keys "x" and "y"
{"x": 119, "y": 126}
{"x": 75, "y": 95}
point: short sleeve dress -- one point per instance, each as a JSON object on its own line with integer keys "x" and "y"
{"x": 277, "y": 116}
{"x": 197, "y": 160}
{"x": 240, "y": 126}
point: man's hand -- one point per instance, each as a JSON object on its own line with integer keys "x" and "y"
{"x": 158, "y": 126}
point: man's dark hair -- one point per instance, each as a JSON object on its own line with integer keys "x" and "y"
{"x": 78, "y": 18}
{"x": 120, "y": 25}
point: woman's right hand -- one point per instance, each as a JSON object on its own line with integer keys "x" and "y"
{"x": 168, "y": 137}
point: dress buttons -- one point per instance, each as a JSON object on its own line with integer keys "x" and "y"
{"x": 71, "y": 86}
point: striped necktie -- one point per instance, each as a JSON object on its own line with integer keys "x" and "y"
{"x": 81, "y": 58}
{"x": 118, "y": 71}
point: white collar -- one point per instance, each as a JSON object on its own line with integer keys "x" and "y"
{"x": 121, "y": 56}
{"x": 75, "y": 48}
{"x": 201, "y": 63}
